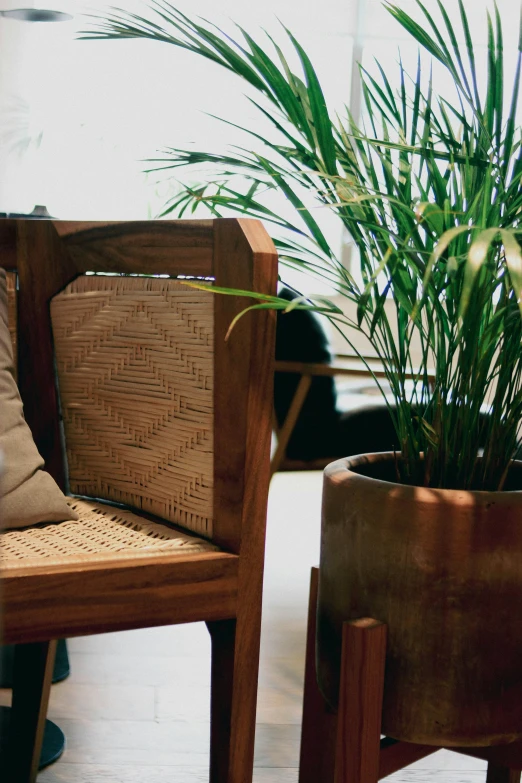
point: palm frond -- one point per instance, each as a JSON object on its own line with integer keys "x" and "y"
{"x": 428, "y": 188}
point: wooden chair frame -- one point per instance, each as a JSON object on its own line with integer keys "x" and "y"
{"x": 223, "y": 589}
{"x": 346, "y": 746}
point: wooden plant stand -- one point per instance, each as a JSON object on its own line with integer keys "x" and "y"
{"x": 346, "y": 746}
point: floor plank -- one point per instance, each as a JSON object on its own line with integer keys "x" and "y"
{"x": 71, "y": 773}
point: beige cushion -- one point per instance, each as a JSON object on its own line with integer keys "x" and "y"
{"x": 28, "y": 494}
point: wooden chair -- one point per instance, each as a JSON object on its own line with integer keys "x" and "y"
{"x": 163, "y": 417}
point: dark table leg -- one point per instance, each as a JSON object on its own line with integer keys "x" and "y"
{"x": 24, "y": 725}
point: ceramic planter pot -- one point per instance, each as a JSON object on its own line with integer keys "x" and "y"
{"x": 443, "y": 569}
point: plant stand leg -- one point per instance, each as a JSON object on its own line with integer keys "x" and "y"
{"x": 360, "y": 702}
{"x": 499, "y": 774}
{"x": 33, "y": 669}
{"x": 396, "y": 755}
{"x": 316, "y": 763}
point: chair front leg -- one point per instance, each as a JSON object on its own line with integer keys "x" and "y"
{"x": 233, "y": 701}
{"x": 33, "y": 671}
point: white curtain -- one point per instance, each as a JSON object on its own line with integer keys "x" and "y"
{"x": 78, "y": 119}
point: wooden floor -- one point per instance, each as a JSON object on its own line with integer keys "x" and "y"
{"x": 135, "y": 708}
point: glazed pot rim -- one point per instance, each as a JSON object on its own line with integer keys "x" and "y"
{"x": 345, "y": 470}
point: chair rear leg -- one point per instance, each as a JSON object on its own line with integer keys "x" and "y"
{"x": 233, "y": 701}
{"x": 33, "y": 670}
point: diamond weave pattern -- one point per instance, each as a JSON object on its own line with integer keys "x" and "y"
{"x": 135, "y": 369}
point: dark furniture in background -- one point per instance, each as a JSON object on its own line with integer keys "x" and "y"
{"x": 312, "y": 430}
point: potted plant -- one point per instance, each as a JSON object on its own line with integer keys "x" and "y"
{"x": 429, "y": 538}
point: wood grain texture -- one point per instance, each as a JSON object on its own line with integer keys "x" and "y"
{"x": 360, "y": 702}
{"x": 247, "y": 263}
{"x": 157, "y": 247}
{"x": 179, "y": 233}
{"x": 319, "y": 724}
{"x": 70, "y": 601}
{"x": 242, "y": 441}
{"x": 254, "y": 507}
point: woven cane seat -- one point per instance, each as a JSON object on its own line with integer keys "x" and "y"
{"x": 102, "y": 533}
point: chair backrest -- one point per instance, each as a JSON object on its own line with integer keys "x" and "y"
{"x": 135, "y": 366}
{"x": 147, "y": 384}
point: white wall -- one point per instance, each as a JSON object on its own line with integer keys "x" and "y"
{"x": 101, "y": 108}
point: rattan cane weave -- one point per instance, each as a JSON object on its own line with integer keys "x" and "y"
{"x": 135, "y": 367}
{"x": 102, "y": 533}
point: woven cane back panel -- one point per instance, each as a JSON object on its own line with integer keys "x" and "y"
{"x": 135, "y": 370}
